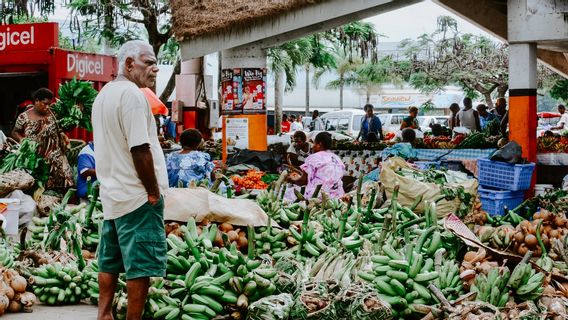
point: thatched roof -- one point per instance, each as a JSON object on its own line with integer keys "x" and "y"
{"x": 194, "y": 18}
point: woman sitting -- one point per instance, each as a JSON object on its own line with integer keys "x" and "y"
{"x": 39, "y": 124}
{"x": 321, "y": 168}
{"x": 403, "y": 149}
{"x": 299, "y": 150}
{"x": 189, "y": 164}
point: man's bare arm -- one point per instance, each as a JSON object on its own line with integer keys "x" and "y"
{"x": 144, "y": 165}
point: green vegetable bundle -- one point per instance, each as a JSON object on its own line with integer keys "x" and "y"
{"x": 73, "y": 108}
{"x": 26, "y": 157}
{"x": 58, "y": 284}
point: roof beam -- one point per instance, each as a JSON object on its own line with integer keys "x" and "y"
{"x": 557, "y": 61}
{"x": 481, "y": 13}
{"x": 294, "y": 24}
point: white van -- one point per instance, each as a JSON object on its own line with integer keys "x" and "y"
{"x": 391, "y": 122}
{"x": 347, "y": 121}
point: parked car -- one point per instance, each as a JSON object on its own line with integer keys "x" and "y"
{"x": 391, "y": 122}
{"x": 346, "y": 121}
{"x": 426, "y": 122}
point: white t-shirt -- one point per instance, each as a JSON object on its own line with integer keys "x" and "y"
{"x": 296, "y": 126}
{"x": 122, "y": 119}
{"x": 302, "y": 155}
{"x": 563, "y": 121}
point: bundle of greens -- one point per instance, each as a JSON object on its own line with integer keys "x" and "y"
{"x": 73, "y": 108}
{"x": 27, "y": 158}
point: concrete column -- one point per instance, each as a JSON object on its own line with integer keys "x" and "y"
{"x": 522, "y": 97}
{"x": 237, "y": 62}
{"x": 186, "y": 91}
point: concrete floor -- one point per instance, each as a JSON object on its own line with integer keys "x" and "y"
{"x": 43, "y": 312}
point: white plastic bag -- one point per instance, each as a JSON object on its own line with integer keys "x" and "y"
{"x": 28, "y": 206}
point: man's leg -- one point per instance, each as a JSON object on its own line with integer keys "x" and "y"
{"x": 107, "y": 287}
{"x": 137, "y": 290}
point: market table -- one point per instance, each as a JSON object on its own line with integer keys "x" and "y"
{"x": 357, "y": 161}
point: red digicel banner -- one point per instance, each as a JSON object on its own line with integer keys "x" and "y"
{"x": 85, "y": 66}
{"x": 26, "y": 37}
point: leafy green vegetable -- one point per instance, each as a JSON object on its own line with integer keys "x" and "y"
{"x": 26, "y": 157}
{"x": 73, "y": 108}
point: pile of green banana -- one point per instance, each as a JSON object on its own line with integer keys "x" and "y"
{"x": 269, "y": 240}
{"x": 449, "y": 281}
{"x": 500, "y": 237}
{"x": 271, "y": 202}
{"x": 526, "y": 283}
{"x": 38, "y": 230}
{"x": 91, "y": 221}
{"x": 90, "y": 277}
{"x": 57, "y": 284}
{"x": 337, "y": 265}
{"x": 8, "y": 254}
{"x": 402, "y": 279}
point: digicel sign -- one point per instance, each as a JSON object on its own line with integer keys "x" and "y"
{"x": 86, "y": 66}
{"x": 26, "y": 37}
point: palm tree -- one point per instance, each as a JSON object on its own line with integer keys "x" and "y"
{"x": 344, "y": 69}
{"x": 321, "y": 59}
{"x": 370, "y": 77}
{"x": 284, "y": 61}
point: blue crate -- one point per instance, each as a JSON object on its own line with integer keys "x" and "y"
{"x": 493, "y": 201}
{"x": 504, "y": 176}
{"x": 425, "y": 165}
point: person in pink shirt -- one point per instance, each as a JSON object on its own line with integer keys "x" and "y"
{"x": 323, "y": 167}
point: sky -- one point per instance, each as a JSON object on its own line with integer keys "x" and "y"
{"x": 408, "y": 22}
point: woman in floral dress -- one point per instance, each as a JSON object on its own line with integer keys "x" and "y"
{"x": 39, "y": 124}
{"x": 189, "y": 164}
{"x": 323, "y": 168}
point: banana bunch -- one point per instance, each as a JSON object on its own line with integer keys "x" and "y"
{"x": 497, "y": 237}
{"x": 449, "y": 281}
{"x": 55, "y": 284}
{"x": 402, "y": 280}
{"x": 269, "y": 240}
{"x": 91, "y": 220}
{"x": 526, "y": 283}
{"x": 8, "y": 253}
{"x": 198, "y": 296}
{"x": 38, "y": 229}
{"x": 90, "y": 273}
{"x": 493, "y": 288}
{"x": 310, "y": 243}
{"x": 335, "y": 265}
{"x": 272, "y": 204}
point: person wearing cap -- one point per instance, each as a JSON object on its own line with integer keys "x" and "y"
{"x": 485, "y": 117}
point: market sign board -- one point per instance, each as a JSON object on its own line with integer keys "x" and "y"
{"x": 84, "y": 66}
{"x": 28, "y": 37}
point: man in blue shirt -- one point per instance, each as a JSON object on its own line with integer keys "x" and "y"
{"x": 371, "y": 127}
{"x": 85, "y": 169}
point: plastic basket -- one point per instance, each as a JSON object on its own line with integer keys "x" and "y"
{"x": 505, "y": 176}
{"x": 493, "y": 201}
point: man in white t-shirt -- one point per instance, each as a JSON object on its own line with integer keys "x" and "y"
{"x": 296, "y": 124}
{"x": 133, "y": 177}
{"x": 563, "y": 122}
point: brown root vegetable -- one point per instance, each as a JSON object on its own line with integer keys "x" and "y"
{"x": 233, "y": 235}
{"x": 530, "y": 241}
{"x": 545, "y": 240}
{"x": 469, "y": 256}
{"x": 27, "y": 299}
{"x": 522, "y": 249}
{"x": 218, "y": 240}
{"x": 19, "y": 284}
{"x": 10, "y": 293}
{"x": 554, "y": 233}
{"x": 559, "y": 221}
{"x": 242, "y": 243}
{"x": 4, "y": 302}
{"x": 519, "y": 237}
{"x": 226, "y": 227}
{"x": 14, "y": 306}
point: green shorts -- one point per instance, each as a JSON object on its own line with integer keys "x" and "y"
{"x": 135, "y": 243}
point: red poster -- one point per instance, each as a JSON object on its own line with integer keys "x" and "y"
{"x": 231, "y": 86}
{"x": 254, "y": 90}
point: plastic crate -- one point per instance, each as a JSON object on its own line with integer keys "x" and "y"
{"x": 493, "y": 201}
{"x": 504, "y": 176}
{"x": 425, "y": 165}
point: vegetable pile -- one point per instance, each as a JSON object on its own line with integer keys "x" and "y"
{"x": 252, "y": 180}
{"x": 73, "y": 108}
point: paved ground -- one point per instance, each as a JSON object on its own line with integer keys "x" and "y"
{"x": 42, "y": 312}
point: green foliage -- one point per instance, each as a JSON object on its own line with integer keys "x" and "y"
{"x": 560, "y": 90}
{"x": 27, "y": 158}
{"x": 16, "y": 12}
{"x": 73, "y": 108}
{"x": 288, "y": 57}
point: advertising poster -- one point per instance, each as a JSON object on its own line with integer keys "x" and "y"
{"x": 254, "y": 90}
{"x": 231, "y": 96}
{"x": 237, "y": 133}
